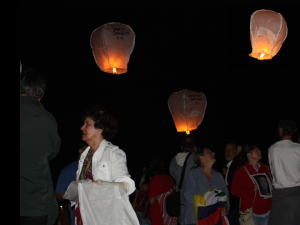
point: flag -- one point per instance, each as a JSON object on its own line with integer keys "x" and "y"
{"x": 208, "y": 207}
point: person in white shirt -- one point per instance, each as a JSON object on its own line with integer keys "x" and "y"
{"x": 284, "y": 159}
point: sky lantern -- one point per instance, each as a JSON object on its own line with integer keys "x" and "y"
{"x": 187, "y": 108}
{"x": 112, "y": 45}
{"x": 268, "y": 31}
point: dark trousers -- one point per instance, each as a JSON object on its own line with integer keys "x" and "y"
{"x": 33, "y": 220}
{"x": 233, "y": 217}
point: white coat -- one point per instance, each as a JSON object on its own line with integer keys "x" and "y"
{"x": 109, "y": 164}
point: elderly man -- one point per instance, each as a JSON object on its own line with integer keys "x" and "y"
{"x": 284, "y": 159}
{"x": 233, "y": 163}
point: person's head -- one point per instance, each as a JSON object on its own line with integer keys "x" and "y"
{"x": 144, "y": 186}
{"x": 231, "y": 151}
{"x": 251, "y": 152}
{"x": 32, "y": 83}
{"x": 156, "y": 167}
{"x": 263, "y": 183}
{"x": 98, "y": 124}
{"x": 81, "y": 147}
{"x": 188, "y": 144}
{"x": 204, "y": 157}
{"x": 286, "y": 128}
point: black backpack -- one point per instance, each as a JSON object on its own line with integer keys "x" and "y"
{"x": 173, "y": 200}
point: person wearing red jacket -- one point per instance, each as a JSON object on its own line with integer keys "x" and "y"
{"x": 242, "y": 186}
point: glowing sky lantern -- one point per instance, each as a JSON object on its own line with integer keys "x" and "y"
{"x": 112, "y": 45}
{"x": 187, "y": 109}
{"x": 268, "y": 30}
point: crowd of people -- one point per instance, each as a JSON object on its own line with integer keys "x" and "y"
{"x": 267, "y": 195}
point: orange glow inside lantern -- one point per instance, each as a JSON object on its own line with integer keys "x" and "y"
{"x": 112, "y": 45}
{"x": 268, "y": 30}
{"x": 187, "y": 108}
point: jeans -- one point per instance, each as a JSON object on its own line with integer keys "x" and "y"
{"x": 181, "y": 217}
{"x": 261, "y": 220}
{"x": 34, "y": 220}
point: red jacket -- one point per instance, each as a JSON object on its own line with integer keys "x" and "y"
{"x": 242, "y": 186}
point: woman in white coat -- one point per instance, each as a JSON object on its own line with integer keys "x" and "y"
{"x": 103, "y": 163}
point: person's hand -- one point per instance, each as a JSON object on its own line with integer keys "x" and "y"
{"x": 224, "y": 211}
{"x": 255, "y": 187}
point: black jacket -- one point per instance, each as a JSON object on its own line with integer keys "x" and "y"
{"x": 39, "y": 142}
{"x": 236, "y": 163}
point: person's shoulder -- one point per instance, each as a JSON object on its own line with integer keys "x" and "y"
{"x": 276, "y": 144}
{"x": 218, "y": 175}
{"x": 296, "y": 146}
{"x": 70, "y": 168}
{"x": 115, "y": 150}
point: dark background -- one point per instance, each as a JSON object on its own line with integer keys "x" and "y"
{"x": 177, "y": 47}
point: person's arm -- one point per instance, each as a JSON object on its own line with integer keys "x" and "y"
{"x": 53, "y": 135}
{"x": 59, "y": 196}
{"x": 120, "y": 171}
{"x": 134, "y": 201}
{"x": 190, "y": 188}
{"x": 239, "y": 184}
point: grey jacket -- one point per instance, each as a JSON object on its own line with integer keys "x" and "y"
{"x": 176, "y": 167}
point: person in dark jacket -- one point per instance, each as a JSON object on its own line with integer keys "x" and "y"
{"x": 39, "y": 143}
{"x": 233, "y": 163}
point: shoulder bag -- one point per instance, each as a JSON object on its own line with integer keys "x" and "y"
{"x": 246, "y": 217}
{"x": 173, "y": 203}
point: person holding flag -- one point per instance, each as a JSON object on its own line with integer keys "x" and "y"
{"x": 206, "y": 193}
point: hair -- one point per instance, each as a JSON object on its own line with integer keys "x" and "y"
{"x": 248, "y": 148}
{"x": 32, "y": 83}
{"x": 188, "y": 143}
{"x": 288, "y": 127}
{"x": 198, "y": 153}
{"x": 157, "y": 167}
{"x": 82, "y": 145}
{"x": 102, "y": 120}
{"x": 234, "y": 145}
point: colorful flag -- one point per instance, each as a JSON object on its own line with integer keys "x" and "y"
{"x": 208, "y": 208}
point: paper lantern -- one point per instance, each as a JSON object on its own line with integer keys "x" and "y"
{"x": 187, "y": 109}
{"x": 112, "y": 45}
{"x": 268, "y": 31}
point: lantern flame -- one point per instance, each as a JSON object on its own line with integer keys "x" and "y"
{"x": 114, "y": 70}
{"x": 262, "y": 55}
{"x": 187, "y": 132}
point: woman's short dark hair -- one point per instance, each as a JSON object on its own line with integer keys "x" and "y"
{"x": 102, "y": 120}
{"x": 248, "y": 148}
{"x": 32, "y": 83}
{"x": 288, "y": 127}
{"x": 198, "y": 153}
{"x": 157, "y": 167}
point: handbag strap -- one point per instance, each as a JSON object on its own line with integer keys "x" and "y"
{"x": 183, "y": 171}
{"x": 254, "y": 184}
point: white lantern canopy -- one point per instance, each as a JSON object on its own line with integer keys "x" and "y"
{"x": 268, "y": 30}
{"x": 112, "y": 45}
{"x": 187, "y": 108}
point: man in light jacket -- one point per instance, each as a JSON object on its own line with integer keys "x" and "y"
{"x": 176, "y": 166}
{"x": 39, "y": 143}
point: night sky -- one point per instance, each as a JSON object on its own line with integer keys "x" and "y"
{"x": 204, "y": 49}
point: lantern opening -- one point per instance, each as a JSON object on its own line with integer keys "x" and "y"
{"x": 187, "y": 132}
{"x": 261, "y": 56}
{"x": 115, "y": 70}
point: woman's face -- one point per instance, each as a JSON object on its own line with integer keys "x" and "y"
{"x": 256, "y": 153}
{"x": 144, "y": 187}
{"x": 89, "y": 132}
{"x": 209, "y": 156}
{"x": 263, "y": 183}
